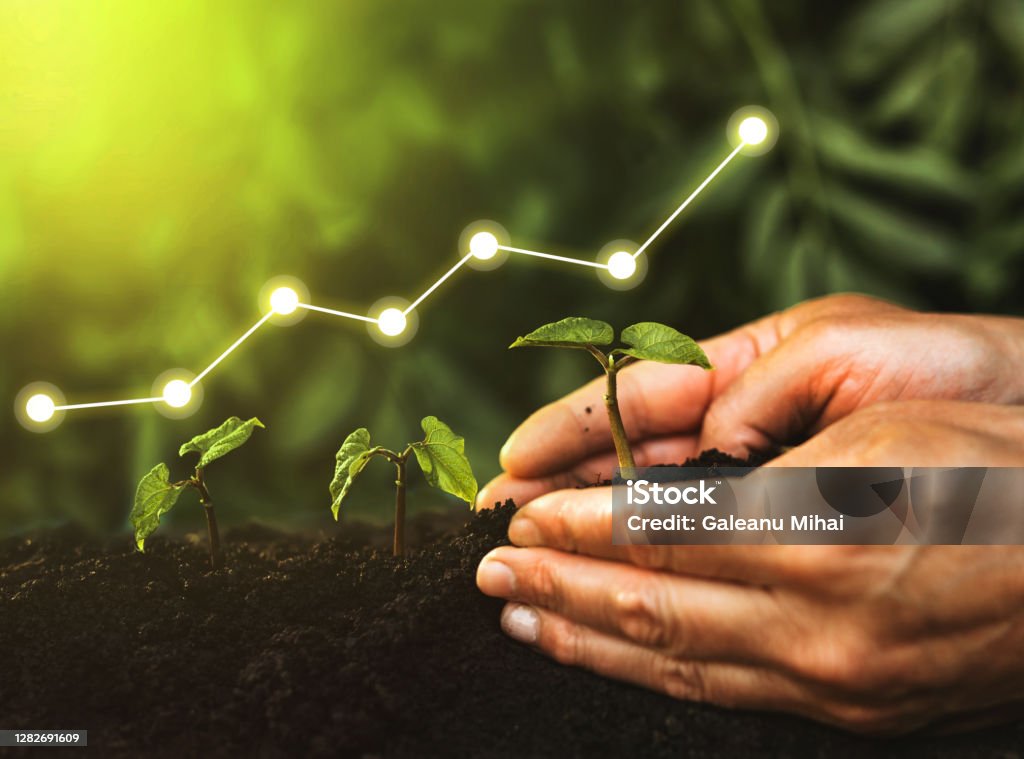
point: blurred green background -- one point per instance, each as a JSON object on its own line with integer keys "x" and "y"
{"x": 160, "y": 161}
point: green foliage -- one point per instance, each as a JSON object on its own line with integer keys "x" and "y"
{"x": 646, "y": 340}
{"x": 155, "y": 496}
{"x": 658, "y": 342}
{"x": 220, "y": 441}
{"x": 327, "y": 139}
{"x": 350, "y": 460}
{"x": 885, "y": 182}
{"x": 571, "y": 332}
{"x": 442, "y": 457}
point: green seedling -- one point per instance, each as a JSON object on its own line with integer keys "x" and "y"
{"x": 441, "y": 456}
{"x": 156, "y": 494}
{"x": 647, "y": 340}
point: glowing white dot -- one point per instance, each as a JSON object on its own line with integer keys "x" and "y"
{"x": 284, "y": 300}
{"x": 177, "y": 393}
{"x": 483, "y": 245}
{"x": 621, "y": 265}
{"x": 753, "y": 130}
{"x": 40, "y": 408}
{"x": 391, "y": 322}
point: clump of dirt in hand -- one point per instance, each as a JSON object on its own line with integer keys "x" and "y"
{"x": 712, "y": 462}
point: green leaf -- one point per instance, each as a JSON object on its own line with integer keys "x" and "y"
{"x": 884, "y": 31}
{"x": 213, "y": 444}
{"x": 351, "y": 459}
{"x": 920, "y": 169}
{"x": 573, "y": 332}
{"x": 659, "y": 342}
{"x": 155, "y": 496}
{"x": 443, "y": 460}
{"x": 896, "y": 238}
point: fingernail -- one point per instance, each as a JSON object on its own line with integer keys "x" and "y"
{"x": 520, "y": 623}
{"x": 495, "y": 578}
{"x": 523, "y": 531}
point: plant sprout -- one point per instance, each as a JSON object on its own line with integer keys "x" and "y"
{"x": 441, "y": 455}
{"x": 647, "y": 340}
{"x": 156, "y": 494}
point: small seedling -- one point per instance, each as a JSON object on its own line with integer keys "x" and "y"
{"x": 647, "y": 340}
{"x": 441, "y": 455}
{"x": 156, "y": 494}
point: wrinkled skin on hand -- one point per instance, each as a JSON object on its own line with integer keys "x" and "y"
{"x": 871, "y": 638}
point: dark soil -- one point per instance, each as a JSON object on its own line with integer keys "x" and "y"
{"x": 713, "y": 462}
{"x": 329, "y": 649}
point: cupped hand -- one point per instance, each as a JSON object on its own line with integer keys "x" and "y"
{"x": 876, "y": 639}
{"x": 776, "y": 381}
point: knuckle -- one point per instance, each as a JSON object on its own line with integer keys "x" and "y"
{"x": 647, "y": 556}
{"x": 822, "y": 333}
{"x": 544, "y": 585}
{"x": 566, "y": 645}
{"x": 843, "y": 664}
{"x": 642, "y": 615}
{"x": 683, "y": 680}
{"x": 561, "y": 525}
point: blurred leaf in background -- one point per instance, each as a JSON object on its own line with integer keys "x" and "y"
{"x": 160, "y": 162}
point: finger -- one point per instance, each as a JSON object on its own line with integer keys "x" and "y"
{"x": 822, "y": 371}
{"x": 680, "y": 616}
{"x": 654, "y": 399}
{"x": 575, "y": 645}
{"x": 580, "y": 521}
{"x": 915, "y": 433}
{"x": 596, "y": 469}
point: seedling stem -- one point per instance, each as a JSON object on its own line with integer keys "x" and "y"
{"x": 441, "y": 455}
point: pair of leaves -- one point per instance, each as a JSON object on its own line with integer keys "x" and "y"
{"x": 650, "y": 341}
{"x": 221, "y": 440}
{"x": 156, "y": 494}
{"x": 441, "y": 455}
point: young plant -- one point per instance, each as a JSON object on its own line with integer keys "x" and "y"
{"x": 647, "y": 340}
{"x": 441, "y": 456}
{"x": 156, "y": 494}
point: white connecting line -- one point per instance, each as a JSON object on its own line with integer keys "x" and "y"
{"x": 579, "y": 261}
{"x": 129, "y": 402}
{"x": 409, "y": 309}
{"x": 687, "y": 202}
{"x": 412, "y": 306}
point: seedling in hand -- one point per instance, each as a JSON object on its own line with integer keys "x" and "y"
{"x": 156, "y": 494}
{"x": 441, "y": 455}
{"x": 647, "y": 340}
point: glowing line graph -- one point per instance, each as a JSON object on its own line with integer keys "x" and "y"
{"x": 552, "y": 257}
{"x": 685, "y": 203}
{"x": 40, "y": 406}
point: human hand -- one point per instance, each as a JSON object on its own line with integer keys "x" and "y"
{"x": 777, "y": 380}
{"x": 875, "y": 639}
